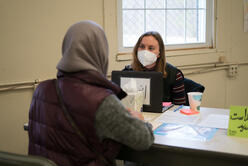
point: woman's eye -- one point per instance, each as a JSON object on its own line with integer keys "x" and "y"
{"x": 151, "y": 48}
{"x": 142, "y": 46}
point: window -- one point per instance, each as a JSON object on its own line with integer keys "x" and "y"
{"x": 181, "y": 23}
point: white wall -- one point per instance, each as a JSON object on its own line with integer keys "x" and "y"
{"x": 30, "y": 46}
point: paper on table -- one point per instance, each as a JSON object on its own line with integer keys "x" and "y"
{"x": 186, "y": 132}
{"x": 215, "y": 121}
{"x": 177, "y": 118}
{"x": 151, "y": 118}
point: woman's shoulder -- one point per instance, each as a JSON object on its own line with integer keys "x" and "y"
{"x": 173, "y": 70}
{"x": 170, "y": 67}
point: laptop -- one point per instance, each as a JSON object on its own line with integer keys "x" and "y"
{"x": 150, "y": 82}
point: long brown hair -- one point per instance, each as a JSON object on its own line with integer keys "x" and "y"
{"x": 161, "y": 61}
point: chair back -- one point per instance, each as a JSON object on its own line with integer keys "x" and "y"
{"x": 12, "y": 159}
{"x": 192, "y": 86}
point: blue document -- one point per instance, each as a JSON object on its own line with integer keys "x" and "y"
{"x": 187, "y": 132}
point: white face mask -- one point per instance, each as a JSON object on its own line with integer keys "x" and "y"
{"x": 146, "y": 57}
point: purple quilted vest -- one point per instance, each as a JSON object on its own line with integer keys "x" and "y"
{"x": 51, "y": 135}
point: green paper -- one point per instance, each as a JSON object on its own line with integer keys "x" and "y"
{"x": 238, "y": 121}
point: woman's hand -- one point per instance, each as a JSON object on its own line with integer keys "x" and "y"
{"x": 136, "y": 114}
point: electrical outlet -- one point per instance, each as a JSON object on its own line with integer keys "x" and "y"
{"x": 232, "y": 70}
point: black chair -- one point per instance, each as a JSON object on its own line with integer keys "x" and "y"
{"x": 12, "y": 159}
{"x": 192, "y": 86}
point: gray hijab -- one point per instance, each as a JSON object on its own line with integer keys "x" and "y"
{"x": 85, "y": 47}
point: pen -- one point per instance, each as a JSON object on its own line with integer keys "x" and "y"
{"x": 178, "y": 108}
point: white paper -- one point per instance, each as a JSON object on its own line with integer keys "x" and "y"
{"x": 211, "y": 120}
{"x": 134, "y": 101}
{"x": 142, "y": 84}
{"x": 178, "y": 118}
{"x": 215, "y": 121}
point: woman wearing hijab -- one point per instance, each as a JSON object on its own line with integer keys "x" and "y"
{"x": 92, "y": 101}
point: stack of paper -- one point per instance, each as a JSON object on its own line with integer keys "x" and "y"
{"x": 178, "y": 118}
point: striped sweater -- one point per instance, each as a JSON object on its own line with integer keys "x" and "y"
{"x": 178, "y": 90}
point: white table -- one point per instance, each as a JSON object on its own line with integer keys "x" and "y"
{"x": 220, "y": 150}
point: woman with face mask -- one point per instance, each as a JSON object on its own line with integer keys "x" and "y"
{"x": 149, "y": 55}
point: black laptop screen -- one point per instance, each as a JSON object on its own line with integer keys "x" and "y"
{"x": 150, "y": 82}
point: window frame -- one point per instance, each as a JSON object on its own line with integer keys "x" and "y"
{"x": 210, "y": 31}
